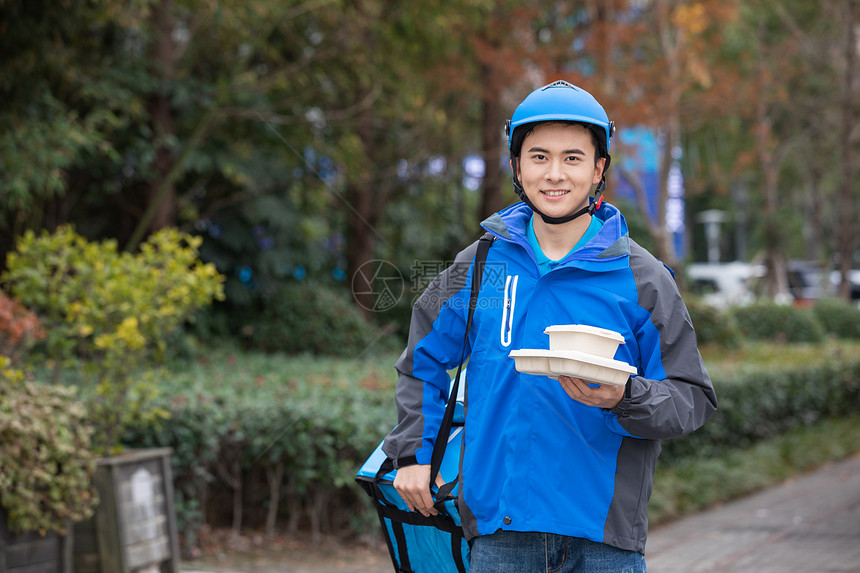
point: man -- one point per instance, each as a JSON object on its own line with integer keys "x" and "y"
{"x": 555, "y": 475}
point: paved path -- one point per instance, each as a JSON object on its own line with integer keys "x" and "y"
{"x": 809, "y": 524}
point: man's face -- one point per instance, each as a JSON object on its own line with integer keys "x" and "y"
{"x": 557, "y": 168}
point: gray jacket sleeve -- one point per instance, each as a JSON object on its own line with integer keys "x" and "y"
{"x": 435, "y": 344}
{"x": 673, "y": 394}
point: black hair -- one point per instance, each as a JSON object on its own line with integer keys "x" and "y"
{"x": 598, "y": 136}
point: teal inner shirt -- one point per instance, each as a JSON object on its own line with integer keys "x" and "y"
{"x": 544, "y": 263}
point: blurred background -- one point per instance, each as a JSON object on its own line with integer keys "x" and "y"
{"x": 301, "y": 140}
{"x": 329, "y": 157}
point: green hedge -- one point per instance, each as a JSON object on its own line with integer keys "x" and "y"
{"x": 230, "y": 439}
{"x": 767, "y": 320}
{"x": 759, "y": 404}
{"x": 838, "y": 317}
{"x": 713, "y": 325}
{"x": 228, "y": 446}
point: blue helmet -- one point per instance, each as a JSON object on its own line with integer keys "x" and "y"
{"x": 560, "y": 101}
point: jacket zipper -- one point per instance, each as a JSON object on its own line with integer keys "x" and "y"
{"x": 508, "y": 309}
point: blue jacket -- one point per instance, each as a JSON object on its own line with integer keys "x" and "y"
{"x": 533, "y": 458}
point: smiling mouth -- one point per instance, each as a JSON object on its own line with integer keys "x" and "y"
{"x": 555, "y": 193}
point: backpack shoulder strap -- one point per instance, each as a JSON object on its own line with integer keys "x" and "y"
{"x": 447, "y": 420}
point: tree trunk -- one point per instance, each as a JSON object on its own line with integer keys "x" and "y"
{"x": 847, "y": 232}
{"x": 230, "y": 470}
{"x": 492, "y": 119}
{"x": 774, "y": 259}
{"x": 663, "y": 240}
{"x": 275, "y": 476}
{"x": 365, "y": 199}
{"x": 161, "y": 115}
{"x": 237, "y": 501}
{"x": 360, "y": 241}
{"x": 670, "y": 41}
{"x": 294, "y": 509}
{"x": 365, "y": 202}
{"x": 812, "y": 224}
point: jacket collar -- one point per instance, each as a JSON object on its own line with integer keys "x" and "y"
{"x": 612, "y": 242}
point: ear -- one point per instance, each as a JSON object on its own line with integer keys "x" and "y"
{"x": 515, "y": 169}
{"x": 598, "y": 170}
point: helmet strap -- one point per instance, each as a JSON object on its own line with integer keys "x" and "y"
{"x": 594, "y": 202}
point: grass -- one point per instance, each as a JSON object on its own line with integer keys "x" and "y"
{"x": 694, "y": 484}
{"x": 722, "y": 362}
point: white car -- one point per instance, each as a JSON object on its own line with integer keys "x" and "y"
{"x": 724, "y": 284}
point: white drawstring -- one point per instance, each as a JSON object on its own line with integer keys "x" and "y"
{"x": 508, "y": 310}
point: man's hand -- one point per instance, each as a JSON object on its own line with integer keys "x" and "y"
{"x": 603, "y": 396}
{"x": 413, "y": 485}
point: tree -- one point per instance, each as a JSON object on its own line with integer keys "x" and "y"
{"x": 800, "y": 139}
{"x": 849, "y": 229}
{"x": 657, "y": 65}
{"x": 62, "y": 99}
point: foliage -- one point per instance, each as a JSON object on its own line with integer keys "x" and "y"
{"x": 321, "y": 418}
{"x": 20, "y": 329}
{"x": 46, "y": 474}
{"x": 327, "y": 129}
{"x": 309, "y": 318}
{"x": 838, "y": 317}
{"x": 268, "y": 241}
{"x": 318, "y": 418}
{"x": 713, "y": 325}
{"x": 762, "y": 401}
{"x": 113, "y": 310}
{"x": 766, "y": 320}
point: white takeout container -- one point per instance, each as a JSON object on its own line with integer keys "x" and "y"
{"x": 590, "y": 368}
{"x": 555, "y": 363}
{"x": 532, "y": 361}
{"x": 584, "y": 338}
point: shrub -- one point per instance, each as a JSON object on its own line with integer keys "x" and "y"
{"x": 310, "y": 318}
{"x": 760, "y": 403}
{"x": 319, "y": 423}
{"x": 20, "y": 329}
{"x": 838, "y": 317}
{"x": 232, "y": 441}
{"x": 766, "y": 320}
{"x": 713, "y": 325}
{"x": 112, "y": 310}
{"x": 47, "y": 469}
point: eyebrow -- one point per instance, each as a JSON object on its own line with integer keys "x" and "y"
{"x": 565, "y": 152}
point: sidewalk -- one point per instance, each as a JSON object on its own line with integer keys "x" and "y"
{"x": 809, "y": 524}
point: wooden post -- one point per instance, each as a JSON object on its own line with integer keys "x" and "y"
{"x": 135, "y": 523}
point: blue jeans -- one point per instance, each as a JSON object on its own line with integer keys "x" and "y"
{"x": 532, "y": 552}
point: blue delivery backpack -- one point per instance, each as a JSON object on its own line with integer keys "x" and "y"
{"x": 419, "y": 544}
{"x": 433, "y": 544}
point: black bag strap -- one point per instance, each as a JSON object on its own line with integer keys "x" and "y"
{"x": 448, "y": 419}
